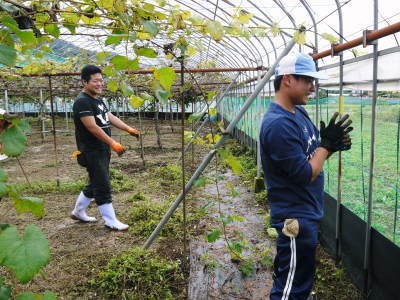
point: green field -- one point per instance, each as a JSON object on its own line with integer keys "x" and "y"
{"x": 356, "y": 162}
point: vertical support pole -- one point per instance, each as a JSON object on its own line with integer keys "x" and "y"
{"x": 183, "y": 154}
{"x": 53, "y": 119}
{"x": 41, "y": 118}
{"x": 339, "y": 191}
{"x": 258, "y": 119}
{"x": 367, "y": 248}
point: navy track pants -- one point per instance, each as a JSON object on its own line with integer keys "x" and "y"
{"x": 294, "y": 265}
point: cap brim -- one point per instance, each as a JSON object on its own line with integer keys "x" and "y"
{"x": 316, "y": 75}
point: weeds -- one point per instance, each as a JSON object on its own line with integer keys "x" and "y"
{"x": 141, "y": 274}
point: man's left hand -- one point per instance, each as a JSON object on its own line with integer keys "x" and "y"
{"x": 133, "y": 132}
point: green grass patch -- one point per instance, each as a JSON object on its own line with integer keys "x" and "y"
{"x": 141, "y": 274}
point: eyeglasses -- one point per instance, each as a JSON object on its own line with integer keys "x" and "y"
{"x": 307, "y": 79}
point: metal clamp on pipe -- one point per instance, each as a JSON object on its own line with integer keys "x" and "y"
{"x": 365, "y": 41}
{"x": 333, "y": 50}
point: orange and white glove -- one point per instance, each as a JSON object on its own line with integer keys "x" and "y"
{"x": 117, "y": 147}
{"x": 133, "y": 132}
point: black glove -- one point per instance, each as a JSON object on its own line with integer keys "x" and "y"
{"x": 345, "y": 143}
{"x": 333, "y": 135}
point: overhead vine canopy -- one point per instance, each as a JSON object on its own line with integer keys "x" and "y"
{"x": 121, "y": 35}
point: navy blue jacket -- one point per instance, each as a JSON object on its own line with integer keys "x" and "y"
{"x": 288, "y": 141}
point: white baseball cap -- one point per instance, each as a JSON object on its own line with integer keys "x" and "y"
{"x": 298, "y": 64}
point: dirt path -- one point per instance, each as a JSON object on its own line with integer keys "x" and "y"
{"x": 213, "y": 275}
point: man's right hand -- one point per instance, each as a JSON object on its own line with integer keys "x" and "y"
{"x": 117, "y": 147}
{"x": 333, "y": 134}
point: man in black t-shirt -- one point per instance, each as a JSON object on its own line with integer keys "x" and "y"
{"x": 93, "y": 138}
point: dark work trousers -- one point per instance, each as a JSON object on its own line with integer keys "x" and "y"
{"x": 294, "y": 265}
{"x": 97, "y": 163}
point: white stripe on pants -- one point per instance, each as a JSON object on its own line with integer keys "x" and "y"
{"x": 292, "y": 269}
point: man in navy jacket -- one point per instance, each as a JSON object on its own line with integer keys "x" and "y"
{"x": 293, "y": 156}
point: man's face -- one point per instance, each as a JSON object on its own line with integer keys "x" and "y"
{"x": 301, "y": 88}
{"x": 95, "y": 85}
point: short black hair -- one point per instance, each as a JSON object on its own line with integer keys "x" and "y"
{"x": 277, "y": 82}
{"x": 88, "y": 71}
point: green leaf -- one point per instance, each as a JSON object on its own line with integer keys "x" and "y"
{"x": 275, "y": 30}
{"x": 102, "y": 55}
{"x": 212, "y": 112}
{"x": 112, "y": 85}
{"x": 29, "y": 204}
{"x": 235, "y": 165}
{"x": 26, "y": 37}
{"x": 300, "y": 37}
{"x": 31, "y": 296}
{"x": 3, "y": 226}
{"x": 162, "y": 96}
{"x": 5, "y": 290}
{"x": 147, "y": 52}
{"x": 151, "y": 27}
{"x": 13, "y": 141}
{"x": 237, "y": 218}
{"x": 210, "y": 95}
{"x": 113, "y": 40}
{"x": 216, "y": 30}
{"x": 24, "y": 256}
{"x": 166, "y": 76}
{"x": 3, "y": 175}
{"x": 126, "y": 89}
{"x": 3, "y": 189}
{"x": 247, "y": 268}
{"x": 136, "y": 101}
{"x": 194, "y": 116}
{"x": 6, "y": 38}
{"x": 8, "y": 55}
{"x": 330, "y": 38}
{"x": 226, "y": 219}
{"x": 214, "y": 235}
{"x": 272, "y": 232}
{"x": 25, "y": 126}
{"x": 52, "y": 29}
{"x": 200, "y": 182}
{"x": 120, "y": 62}
{"x": 146, "y": 96}
{"x": 244, "y": 19}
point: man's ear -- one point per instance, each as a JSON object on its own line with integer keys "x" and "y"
{"x": 84, "y": 82}
{"x": 286, "y": 80}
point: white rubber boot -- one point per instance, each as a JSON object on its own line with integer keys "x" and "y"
{"x": 111, "y": 221}
{"x": 79, "y": 212}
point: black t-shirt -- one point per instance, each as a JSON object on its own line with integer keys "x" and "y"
{"x": 86, "y": 105}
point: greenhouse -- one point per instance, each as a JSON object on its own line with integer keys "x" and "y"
{"x": 254, "y": 150}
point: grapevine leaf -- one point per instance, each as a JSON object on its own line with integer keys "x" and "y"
{"x": 3, "y": 175}
{"x": 275, "y": 30}
{"x": 151, "y": 27}
{"x": 214, "y": 235}
{"x": 147, "y": 52}
{"x": 13, "y": 141}
{"x": 112, "y": 85}
{"x": 216, "y": 30}
{"x": 8, "y": 55}
{"x": 162, "y": 95}
{"x": 5, "y": 290}
{"x": 136, "y": 101}
{"x": 330, "y": 38}
{"x": 166, "y": 76}
{"x": 3, "y": 189}
{"x": 200, "y": 182}
{"x": 300, "y": 37}
{"x": 52, "y": 29}
{"x": 113, "y": 40}
{"x": 126, "y": 89}
{"x": 234, "y": 164}
{"x": 29, "y": 204}
{"x": 24, "y": 256}
{"x": 31, "y": 296}
{"x": 244, "y": 19}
